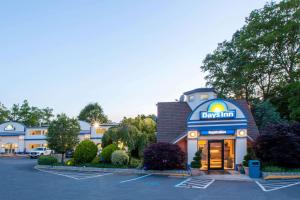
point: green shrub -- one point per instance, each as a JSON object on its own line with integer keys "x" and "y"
{"x": 119, "y": 157}
{"x": 107, "y": 151}
{"x": 70, "y": 162}
{"x": 47, "y": 160}
{"x": 196, "y": 163}
{"x": 135, "y": 163}
{"x": 249, "y": 156}
{"x": 85, "y": 152}
{"x": 96, "y": 160}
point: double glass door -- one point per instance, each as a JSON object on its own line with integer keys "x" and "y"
{"x": 216, "y": 155}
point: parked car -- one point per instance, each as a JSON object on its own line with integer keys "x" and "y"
{"x": 39, "y": 151}
{"x": 70, "y": 153}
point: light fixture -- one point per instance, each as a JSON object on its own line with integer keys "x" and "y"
{"x": 192, "y": 134}
{"x": 96, "y": 124}
{"x": 242, "y": 133}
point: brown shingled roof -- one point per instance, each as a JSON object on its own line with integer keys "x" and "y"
{"x": 253, "y": 132}
{"x": 171, "y": 120}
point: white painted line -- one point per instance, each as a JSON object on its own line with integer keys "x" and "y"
{"x": 277, "y": 188}
{"x": 58, "y": 174}
{"x": 211, "y": 182}
{"x": 96, "y": 176}
{"x": 140, "y": 177}
{"x": 186, "y": 180}
{"x": 74, "y": 175}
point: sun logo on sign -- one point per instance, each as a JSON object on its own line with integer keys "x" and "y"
{"x": 217, "y": 106}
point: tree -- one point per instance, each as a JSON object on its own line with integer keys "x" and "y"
{"x": 294, "y": 102}
{"x": 126, "y": 136}
{"x": 144, "y": 124}
{"x": 26, "y": 114}
{"x": 85, "y": 152}
{"x": 287, "y": 101}
{"x": 279, "y": 144}
{"x": 264, "y": 113}
{"x": 63, "y": 134}
{"x": 93, "y": 113}
{"x": 4, "y": 113}
{"x": 262, "y": 55}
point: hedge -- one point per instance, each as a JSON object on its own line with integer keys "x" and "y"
{"x": 47, "y": 160}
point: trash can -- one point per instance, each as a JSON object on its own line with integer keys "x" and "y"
{"x": 254, "y": 168}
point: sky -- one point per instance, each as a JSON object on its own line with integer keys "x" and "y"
{"x": 127, "y": 55}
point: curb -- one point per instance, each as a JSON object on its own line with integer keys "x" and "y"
{"x": 280, "y": 175}
{"x": 115, "y": 170}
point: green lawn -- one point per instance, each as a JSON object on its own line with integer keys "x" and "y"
{"x": 278, "y": 169}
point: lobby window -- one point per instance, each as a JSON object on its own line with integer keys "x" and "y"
{"x": 228, "y": 154}
{"x": 202, "y": 144}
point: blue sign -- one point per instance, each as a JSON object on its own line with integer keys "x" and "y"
{"x": 218, "y": 115}
{"x": 218, "y": 110}
{"x": 218, "y": 132}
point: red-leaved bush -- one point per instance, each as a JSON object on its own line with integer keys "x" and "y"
{"x": 164, "y": 156}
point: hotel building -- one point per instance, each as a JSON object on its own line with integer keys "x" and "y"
{"x": 17, "y": 138}
{"x": 221, "y": 128}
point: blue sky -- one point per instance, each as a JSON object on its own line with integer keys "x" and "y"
{"x": 126, "y": 55}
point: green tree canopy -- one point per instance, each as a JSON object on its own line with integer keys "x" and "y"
{"x": 93, "y": 113}
{"x": 26, "y": 114}
{"x": 265, "y": 113}
{"x": 128, "y": 137}
{"x": 261, "y": 56}
{"x": 63, "y": 134}
{"x": 144, "y": 124}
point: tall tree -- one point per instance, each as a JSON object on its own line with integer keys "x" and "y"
{"x": 28, "y": 115}
{"x": 144, "y": 124}
{"x": 262, "y": 55}
{"x": 4, "y": 113}
{"x": 93, "y": 113}
{"x": 63, "y": 134}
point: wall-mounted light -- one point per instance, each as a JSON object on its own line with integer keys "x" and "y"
{"x": 192, "y": 134}
{"x": 242, "y": 133}
{"x": 96, "y": 124}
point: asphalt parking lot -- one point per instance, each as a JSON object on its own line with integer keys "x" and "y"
{"x": 19, "y": 180}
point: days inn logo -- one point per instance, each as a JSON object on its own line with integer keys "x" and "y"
{"x": 217, "y": 110}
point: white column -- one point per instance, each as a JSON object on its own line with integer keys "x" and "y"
{"x": 191, "y": 149}
{"x": 240, "y": 149}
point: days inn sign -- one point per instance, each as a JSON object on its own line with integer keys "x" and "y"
{"x": 217, "y": 110}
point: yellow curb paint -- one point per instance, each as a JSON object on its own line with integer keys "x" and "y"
{"x": 282, "y": 177}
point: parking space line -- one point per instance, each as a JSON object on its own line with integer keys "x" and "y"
{"x": 273, "y": 185}
{"x": 97, "y": 176}
{"x": 50, "y": 172}
{"x": 181, "y": 183}
{"x": 134, "y": 179}
{"x": 195, "y": 182}
{"x": 75, "y": 175}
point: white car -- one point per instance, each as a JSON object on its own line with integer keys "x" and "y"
{"x": 40, "y": 151}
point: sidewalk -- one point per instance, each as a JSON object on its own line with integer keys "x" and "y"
{"x": 178, "y": 173}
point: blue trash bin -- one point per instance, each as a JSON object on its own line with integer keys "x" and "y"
{"x": 254, "y": 168}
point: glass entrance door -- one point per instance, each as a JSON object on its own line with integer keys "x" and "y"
{"x": 216, "y": 155}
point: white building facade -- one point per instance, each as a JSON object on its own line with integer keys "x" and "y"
{"x": 17, "y": 138}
